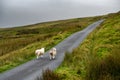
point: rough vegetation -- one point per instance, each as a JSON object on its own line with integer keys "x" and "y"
{"x": 17, "y": 45}
{"x": 97, "y": 58}
{"x": 49, "y": 75}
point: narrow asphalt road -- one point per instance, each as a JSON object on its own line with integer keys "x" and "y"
{"x": 34, "y": 68}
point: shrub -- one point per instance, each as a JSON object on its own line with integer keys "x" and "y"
{"x": 107, "y": 68}
{"x": 49, "y": 75}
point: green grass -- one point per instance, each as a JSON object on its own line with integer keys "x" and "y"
{"x": 17, "y": 45}
{"x": 97, "y": 58}
{"x": 107, "y": 68}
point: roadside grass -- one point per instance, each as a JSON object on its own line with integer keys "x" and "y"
{"x": 17, "y": 45}
{"x": 97, "y": 58}
{"x": 107, "y": 68}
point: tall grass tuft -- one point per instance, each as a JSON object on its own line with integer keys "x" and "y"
{"x": 107, "y": 68}
{"x": 49, "y": 75}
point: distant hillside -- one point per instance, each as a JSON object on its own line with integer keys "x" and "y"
{"x": 97, "y": 58}
{"x": 17, "y": 45}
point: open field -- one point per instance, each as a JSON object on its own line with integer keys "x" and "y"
{"x": 17, "y": 45}
{"x": 97, "y": 58}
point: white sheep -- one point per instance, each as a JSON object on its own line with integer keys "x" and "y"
{"x": 52, "y": 53}
{"x": 39, "y": 52}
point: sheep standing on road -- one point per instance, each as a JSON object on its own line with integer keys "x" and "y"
{"x": 52, "y": 53}
{"x": 39, "y": 52}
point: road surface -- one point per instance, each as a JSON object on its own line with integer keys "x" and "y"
{"x": 34, "y": 68}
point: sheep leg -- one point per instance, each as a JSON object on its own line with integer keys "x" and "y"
{"x": 53, "y": 57}
{"x": 37, "y": 56}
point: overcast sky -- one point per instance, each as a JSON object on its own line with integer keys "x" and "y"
{"x": 22, "y": 12}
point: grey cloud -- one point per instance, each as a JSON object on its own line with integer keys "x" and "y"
{"x": 23, "y": 12}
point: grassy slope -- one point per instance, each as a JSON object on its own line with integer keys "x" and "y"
{"x": 97, "y": 58}
{"x": 17, "y": 45}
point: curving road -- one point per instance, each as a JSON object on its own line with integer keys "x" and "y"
{"x": 33, "y": 68}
